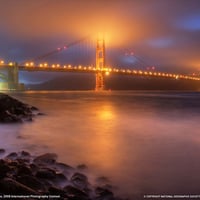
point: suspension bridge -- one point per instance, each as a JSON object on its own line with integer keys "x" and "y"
{"x": 100, "y": 70}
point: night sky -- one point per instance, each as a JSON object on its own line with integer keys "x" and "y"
{"x": 163, "y": 33}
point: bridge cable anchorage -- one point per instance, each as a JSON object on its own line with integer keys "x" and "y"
{"x": 55, "y": 51}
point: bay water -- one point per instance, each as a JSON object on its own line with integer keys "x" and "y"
{"x": 145, "y": 142}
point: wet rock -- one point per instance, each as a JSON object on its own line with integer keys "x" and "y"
{"x": 80, "y": 180}
{"x": 104, "y": 194}
{"x": 63, "y": 166}
{"x": 57, "y": 191}
{"x": 46, "y": 173}
{"x": 34, "y": 108}
{"x": 24, "y": 170}
{"x": 4, "y": 168}
{"x": 75, "y": 193}
{"x": 23, "y": 160}
{"x": 13, "y": 110}
{"x": 21, "y": 174}
{"x": 31, "y": 182}
{"x": 34, "y": 167}
{"x": 60, "y": 177}
{"x": 48, "y": 158}
{"x": 2, "y": 151}
{"x": 12, "y": 155}
{"x": 13, "y": 163}
{"x": 41, "y": 113}
{"x": 10, "y": 186}
{"x": 25, "y": 154}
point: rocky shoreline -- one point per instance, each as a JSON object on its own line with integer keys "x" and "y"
{"x": 13, "y": 110}
{"x": 24, "y": 176}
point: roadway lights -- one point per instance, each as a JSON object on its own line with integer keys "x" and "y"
{"x": 1, "y": 62}
{"x": 107, "y": 73}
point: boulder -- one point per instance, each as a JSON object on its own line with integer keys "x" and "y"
{"x": 2, "y": 151}
{"x": 12, "y": 155}
{"x": 75, "y": 193}
{"x": 46, "y": 173}
{"x": 13, "y": 110}
{"x": 57, "y": 191}
{"x": 48, "y": 158}
{"x": 80, "y": 180}
{"x": 4, "y": 168}
{"x": 10, "y": 186}
{"x": 31, "y": 182}
{"x": 25, "y": 154}
{"x": 104, "y": 194}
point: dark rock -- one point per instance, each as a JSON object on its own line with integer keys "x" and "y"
{"x": 25, "y": 154}
{"x": 48, "y": 158}
{"x": 34, "y": 108}
{"x": 41, "y": 113}
{"x": 46, "y": 173}
{"x": 63, "y": 166}
{"x": 57, "y": 191}
{"x": 21, "y": 174}
{"x": 80, "y": 180}
{"x": 13, "y": 110}
{"x": 74, "y": 193}
{"x": 13, "y": 163}
{"x": 23, "y": 160}
{"x": 60, "y": 177}
{"x": 10, "y": 186}
{"x": 104, "y": 194}
{"x": 4, "y": 168}
{"x": 31, "y": 182}
{"x": 2, "y": 151}
{"x": 24, "y": 170}
{"x": 12, "y": 155}
{"x": 34, "y": 167}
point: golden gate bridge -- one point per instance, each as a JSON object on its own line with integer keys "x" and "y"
{"x": 100, "y": 69}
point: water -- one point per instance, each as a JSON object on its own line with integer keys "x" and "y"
{"x": 144, "y": 142}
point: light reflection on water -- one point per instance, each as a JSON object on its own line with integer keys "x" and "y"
{"x": 144, "y": 142}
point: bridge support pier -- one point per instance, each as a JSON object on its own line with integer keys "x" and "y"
{"x": 13, "y": 78}
{"x": 100, "y": 64}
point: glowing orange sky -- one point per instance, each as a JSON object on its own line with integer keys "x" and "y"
{"x": 158, "y": 29}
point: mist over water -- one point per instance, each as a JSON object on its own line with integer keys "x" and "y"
{"x": 144, "y": 142}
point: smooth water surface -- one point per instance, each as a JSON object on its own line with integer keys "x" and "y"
{"x": 144, "y": 142}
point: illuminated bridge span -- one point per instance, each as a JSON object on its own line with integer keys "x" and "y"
{"x": 100, "y": 70}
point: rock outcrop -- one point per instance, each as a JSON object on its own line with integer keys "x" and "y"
{"x": 23, "y": 174}
{"x": 13, "y": 110}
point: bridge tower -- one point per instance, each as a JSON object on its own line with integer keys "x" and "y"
{"x": 100, "y": 63}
